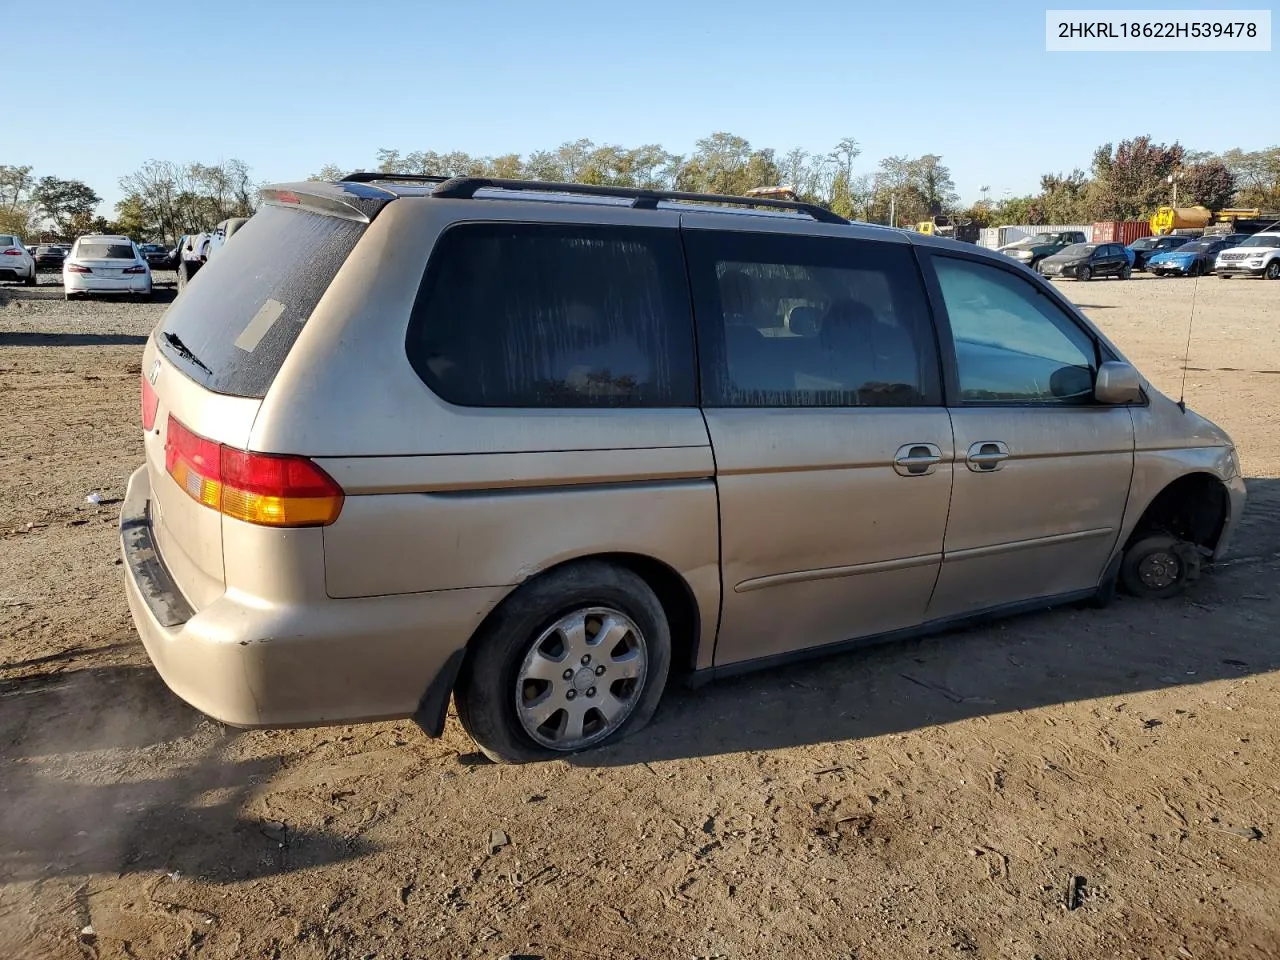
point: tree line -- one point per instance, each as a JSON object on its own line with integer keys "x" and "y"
{"x": 162, "y": 201}
{"x": 912, "y": 187}
{"x": 1127, "y": 180}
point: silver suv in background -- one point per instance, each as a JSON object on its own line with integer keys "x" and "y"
{"x": 1258, "y": 256}
{"x": 536, "y": 446}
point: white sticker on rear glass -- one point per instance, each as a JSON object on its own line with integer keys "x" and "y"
{"x": 257, "y": 329}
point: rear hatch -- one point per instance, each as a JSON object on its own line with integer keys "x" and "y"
{"x": 214, "y": 356}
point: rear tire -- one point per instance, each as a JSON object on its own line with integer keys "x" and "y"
{"x": 508, "y": 658}
{"x": 1125, "y": 272}
{"x": 31, "y": 280}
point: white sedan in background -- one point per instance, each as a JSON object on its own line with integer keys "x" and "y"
{"x": 16, "y": 262}
{"x": 105, "y": 264}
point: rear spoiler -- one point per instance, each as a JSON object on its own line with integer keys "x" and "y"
{"x": 351, "y": 201}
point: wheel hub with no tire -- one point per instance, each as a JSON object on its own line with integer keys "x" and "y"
{"x": 1159, "y": 570}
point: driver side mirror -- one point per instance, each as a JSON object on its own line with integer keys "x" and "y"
{"x": 1117, "y": 383}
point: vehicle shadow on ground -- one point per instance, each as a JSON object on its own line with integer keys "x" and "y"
{"x": 70, "y": 806}
{"x": 1221, "y": 629}
{"x": 37, "y": 339}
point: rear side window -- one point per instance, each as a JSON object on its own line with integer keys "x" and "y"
{"x": 794, "y": 321}
{"x": 237, "y": 320}
{"x": 105, "y": 251}
{"x": 555, "y": 315}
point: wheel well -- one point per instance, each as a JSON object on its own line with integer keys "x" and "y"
{"x": 1193, "y": 508}
{"x": 673, "y": 593}
{"x": 676, "y": 599}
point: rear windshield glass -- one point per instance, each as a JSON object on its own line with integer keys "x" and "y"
{"x": 105, "y": 251}
{"x": 7, "y": 241}
{"x": 239, "y": 317}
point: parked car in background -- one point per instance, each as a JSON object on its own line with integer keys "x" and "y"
{"x": 1084, "y": 261}
{"x": 157, "y": 255}
{"x": 105, "y": 264}
{"x": 1192, "y": 259}
{"x": 286, "y": 540}
{"x": 49, "y": 256}
{"x": 1144, "y": 248}
{"x": 1258, "y": 256}
{"x": 1031, "y": 250}
{"x": 16, "y": 261}
{"x": 195, "y": 251}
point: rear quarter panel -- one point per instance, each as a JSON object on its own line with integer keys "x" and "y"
{"x": 441, "y": 497}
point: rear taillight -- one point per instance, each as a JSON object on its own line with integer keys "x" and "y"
{"x": 138, "y": 269}
{"x": 149, "y": 403}
{"x": 12, "y": 252}
{"x": 77, "y": 268}
{"x": 267, "y": 489}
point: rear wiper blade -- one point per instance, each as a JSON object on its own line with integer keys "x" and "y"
{"x": 175, "y": 341}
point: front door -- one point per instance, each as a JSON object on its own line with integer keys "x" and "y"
{"x": 1042, "y": 470}
{"x": 821, "y": 391}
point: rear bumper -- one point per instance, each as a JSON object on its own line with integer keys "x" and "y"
{"x": 88, "y": 283}
{"x": 16, "y": 272}
{"x": 250, "y": 662}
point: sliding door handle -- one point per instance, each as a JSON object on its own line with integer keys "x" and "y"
{"x": 987, "y": 456}
{"x": 917, "y": 459}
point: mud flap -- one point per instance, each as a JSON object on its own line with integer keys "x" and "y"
{"x": 434, "y": 705}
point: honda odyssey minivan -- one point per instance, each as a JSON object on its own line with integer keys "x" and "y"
{"x": 535, "y": 447}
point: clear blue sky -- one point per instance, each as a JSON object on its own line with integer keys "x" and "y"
{"x": 289, "y": 86}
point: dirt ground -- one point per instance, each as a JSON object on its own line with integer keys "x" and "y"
{"x": 1077, "y": 783}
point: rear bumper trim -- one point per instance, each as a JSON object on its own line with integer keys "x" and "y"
{"x": 154, "y": 582}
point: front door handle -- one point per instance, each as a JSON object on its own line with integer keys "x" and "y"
{"x": 917, "y": 459}
{"x": 987, "y": 456}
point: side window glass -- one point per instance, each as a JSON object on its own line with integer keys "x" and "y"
{"x": 552, "y": 315}
{"x": 801, "y": 321}
{"x": 1013, "y": 344}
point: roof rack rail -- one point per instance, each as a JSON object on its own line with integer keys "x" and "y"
{"x": 372, "y": 176}
{"x": 465, "y": 188}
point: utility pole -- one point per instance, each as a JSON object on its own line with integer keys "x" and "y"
{"x": 893, "y": 209}
{"x": 1173, "y": 179}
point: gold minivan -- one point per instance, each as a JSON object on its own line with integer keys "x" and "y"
{"x": 538, "y": 446}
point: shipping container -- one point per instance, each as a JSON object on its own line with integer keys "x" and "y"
{"x": 1012, "y": 234}
{"x": 1120, "y": 231}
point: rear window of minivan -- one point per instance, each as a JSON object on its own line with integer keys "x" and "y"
{"x": 239, "y": 317}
